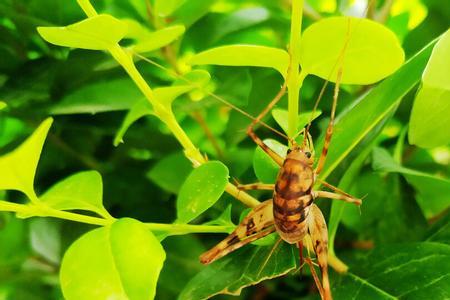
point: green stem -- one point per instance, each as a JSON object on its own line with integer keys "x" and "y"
{"x": 163, "y": 112}
{"x": 294, "y": 82}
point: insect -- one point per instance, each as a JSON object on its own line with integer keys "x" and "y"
{"x": 291, "y": 212}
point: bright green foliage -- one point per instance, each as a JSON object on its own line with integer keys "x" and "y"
{"x": 13, "y": 239}
{"x": 83, "y": 191}
{"x": 430, "y": 122}
{"x": 157, "y": 39}
{"x": 120, "y": 261}
{"x": 201, "y": 190}
{"x": 166, "y": 95}
{"x": 2, "y": 105}
{"x": 165, "y": 8}
{"x": 99, "y": 97}
{"x": 372, "y": 52}
{"x": 238, "y": 270}
{"x": 281, "y": 116}
{"x": 244, "y": 55}
{"x": 97, "y": 33}
{"x": 19, "y": 166}
{"x": 432, "y": 191}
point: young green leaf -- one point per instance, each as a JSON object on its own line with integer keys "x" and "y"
{"x": 81, "y": 191}
{"x": 372, "y": 51}
{"x": 166, "y": 95}
{"x": 281, "y": 117}
{"x": 240, "y": 269}
{"x": 157, "y": 39}
{"x": 201, "y": 190}
{"x": 120, "y": 261}
{"x": 97, "y": 33}
{"x": 2, "y": 105}
{"x": 429, "y": 117}
{"x": 244, "y": 55}
{"x": 19, "y": 166}
{"x": 265, "y": 168}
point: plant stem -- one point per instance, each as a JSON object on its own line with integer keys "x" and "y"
{"x": 293, "y": 75}
{"x": 163, "y": 112}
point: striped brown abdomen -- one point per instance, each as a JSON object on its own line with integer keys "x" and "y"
{"x": 292, "y": 199}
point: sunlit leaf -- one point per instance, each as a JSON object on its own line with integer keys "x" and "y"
{"x": 432, "y": 191}
{"x": 97, "y": 33}
{"x": 18, "y": 167}
{"x": 415, "y": 10}
{"x": 157, "y": 39}
{"x": 166, "y": 95}
{"x": 118, "y": 261}
{"x": 81, "y": 191}
{"x": 244, "y": 55}
{"x": 281, "y": 117}
{"x": 372, "y": 52}
{"x": 201, "y": 190}
{"x": 368, "y": 111}
{"x": 429, "y": 122}
{"x": 165, "y": 8}
{"x": 240, "y": 269}
{"x": 265, "y": 168}
{"x": 2, "y": 105}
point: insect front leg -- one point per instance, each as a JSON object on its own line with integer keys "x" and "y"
{"x": 336, "y": 196}
{"x": 317, "y": 229}
{"x": 250, "y": 129}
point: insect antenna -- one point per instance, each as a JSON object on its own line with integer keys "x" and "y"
{"x": 211, "y": 94}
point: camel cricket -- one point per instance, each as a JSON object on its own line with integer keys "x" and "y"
{"x": 291, "y": 212}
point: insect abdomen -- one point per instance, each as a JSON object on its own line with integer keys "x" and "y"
{"x": 292, "y": 199}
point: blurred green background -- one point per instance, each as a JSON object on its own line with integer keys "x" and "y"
{"x": 88, "y": 95}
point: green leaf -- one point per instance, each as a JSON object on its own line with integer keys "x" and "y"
{"x": 97, "y": 33}
{"x": 162, "y": 173}
{"x": 19, "y": 166}
{"x": 201, "y": 190}
{"x": 372, "y": 52}
{"x": 432, "y": 191}
{"x": 83, "y": 191}
{"x": 104, "y": 96}
{"x": 45, "y": 238}
{"x": 368, "y": 111}
{"x": 196, "y": 79}
{"x": 2, "y": 105}
{"x": 240, "y": 269}
{"x": 429, "y": 118}
{"x": 157, "y": 39}
{"x": 266, "y": 170}
{"x": 281, "y": 117}
{"x": 244, "y": 55}
{"x": 165, "y": 8}
{"x": 118, "y": 261}
{"x": 404, "y": 271}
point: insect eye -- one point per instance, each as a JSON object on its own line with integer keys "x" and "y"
{"x": 289, "y": 151}
{"x": 308, "y": 154}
